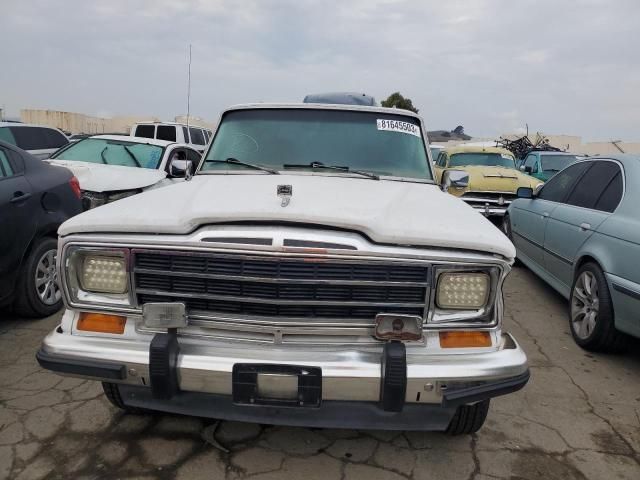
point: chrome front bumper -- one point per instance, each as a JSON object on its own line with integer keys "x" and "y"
{"x": 350, "y": 377}
{"x": 489, "y": 210}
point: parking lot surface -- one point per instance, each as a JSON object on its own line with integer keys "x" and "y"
{"x": 579, "y": 417}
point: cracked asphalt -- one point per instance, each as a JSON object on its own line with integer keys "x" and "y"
{"x": 578, "y": 418}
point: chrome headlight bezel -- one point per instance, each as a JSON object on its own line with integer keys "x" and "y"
{"x": 76, "y": 295}
{"x": 489, "y": 315}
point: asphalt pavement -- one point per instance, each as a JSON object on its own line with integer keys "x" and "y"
{"x": 578, "y": 418}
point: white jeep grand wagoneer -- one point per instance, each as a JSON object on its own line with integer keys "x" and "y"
{"x": 311, "y": 272}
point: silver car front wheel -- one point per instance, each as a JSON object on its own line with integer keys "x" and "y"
{"x": 585, "y": 305}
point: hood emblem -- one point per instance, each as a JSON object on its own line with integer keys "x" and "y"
{"x": 285, "y": 192}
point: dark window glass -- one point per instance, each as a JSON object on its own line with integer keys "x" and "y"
{"x": 30, "y": 138}
{"x": 7, "y": 136}
{"x": 185, "y": 132}
{"x": 197, "y": 138}
{"x": 145, "y": 131}
{"x": 532, "y": 161}
{"x": 5, "y": 166}
{"x": 612, "y": 195}
{"x": 557, "y": 189}
{"x": 442, "y": 160}
{"x": 166, "y": 132}
{"x": 55, "y": 139}
{"x": 592, "y": 184}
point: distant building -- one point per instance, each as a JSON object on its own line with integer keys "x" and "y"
{"x": 71, "y": 122}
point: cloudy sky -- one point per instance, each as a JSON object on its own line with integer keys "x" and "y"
{"x": 491, "y": 65}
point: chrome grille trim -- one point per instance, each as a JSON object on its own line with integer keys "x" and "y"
{"x": 341, "y": 291}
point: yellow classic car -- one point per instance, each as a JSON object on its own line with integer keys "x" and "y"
{"x": 493, "y": 178}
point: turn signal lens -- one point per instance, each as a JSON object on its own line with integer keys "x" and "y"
{"x": 101, "y": 322}
{"x": 465, "y": 339}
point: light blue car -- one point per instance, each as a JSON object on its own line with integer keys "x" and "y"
{"x": 581, "y": 234}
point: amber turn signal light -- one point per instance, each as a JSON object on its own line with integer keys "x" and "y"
{"x": 101, "y": 322}
{"x": 464, "y": 339}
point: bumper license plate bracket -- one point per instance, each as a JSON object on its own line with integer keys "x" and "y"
{"x": 277, "y": 385}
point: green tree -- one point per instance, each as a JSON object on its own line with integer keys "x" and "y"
{"x": 398, "y": 101}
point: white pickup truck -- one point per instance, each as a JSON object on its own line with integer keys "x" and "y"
{"x": 310, "y": 273}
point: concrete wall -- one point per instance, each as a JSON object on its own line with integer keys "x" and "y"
{"x": 79, "y": 123}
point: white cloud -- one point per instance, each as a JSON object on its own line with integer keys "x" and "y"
{"x": 560, "y": 66}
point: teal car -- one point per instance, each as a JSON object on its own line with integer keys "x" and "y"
{"x": 544, "y": 165}
{"x": 580, "y": 232}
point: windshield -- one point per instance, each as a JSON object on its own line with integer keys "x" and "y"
{"x": 555, "y": 163}
{"x": 488, "y": 159}
{"x": 379, "y": 143}
{"x": 113, "y": 152}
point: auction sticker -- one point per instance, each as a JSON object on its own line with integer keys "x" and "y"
{"x": 398, "y": 126}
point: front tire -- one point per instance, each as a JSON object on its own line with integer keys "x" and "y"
{"x": 591, "y": 315}
{"x": 469, "y": 419}
{"x": 38, "y": 292}
{"x": 112, "y": 392}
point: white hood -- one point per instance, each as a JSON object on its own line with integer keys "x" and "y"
{"x": 96, "y": 177}
{"x": 388, "y": 212}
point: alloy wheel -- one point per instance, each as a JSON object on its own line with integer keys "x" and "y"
{"x": 46, "y": 279}
{"x": 585, "y": 305}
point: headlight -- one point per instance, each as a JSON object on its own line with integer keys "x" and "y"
{"x": 96, "y": 276}
{"x": 103, "y": 274}
{"x": 462, "y": 290}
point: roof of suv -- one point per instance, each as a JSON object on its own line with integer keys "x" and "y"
{"x": 323, "y": 106}
{"x": 191, "y": 125}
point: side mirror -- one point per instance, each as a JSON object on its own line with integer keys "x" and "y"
{"x": 180, "y": 169}
{"x": 524, "y": 192}
{"x": 528, "y": 169}
{"x": 454, "y": 178}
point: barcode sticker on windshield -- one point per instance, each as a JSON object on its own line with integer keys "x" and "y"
{"x": 505, "y": 156}
{"x": 398, "y": 126}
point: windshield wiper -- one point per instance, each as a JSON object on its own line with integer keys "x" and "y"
{"x": 339, "y": 168}
{"x": 103, "y": 157}
{"x": 235, "y": 161}
{"x": 135, "y": 160}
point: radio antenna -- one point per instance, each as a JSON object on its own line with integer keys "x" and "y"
{"x": 189, "y": 88}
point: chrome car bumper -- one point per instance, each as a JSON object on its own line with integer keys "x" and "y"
{"x": 352, "y": 380}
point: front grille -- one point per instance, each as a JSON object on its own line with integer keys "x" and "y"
{"x": 492, "y": 198}
{"x": 280, "y": 287}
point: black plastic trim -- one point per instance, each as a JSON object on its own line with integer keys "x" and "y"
{"x": 546, "y": 250}
{"x": 394, "y": 376}
{"x": 627, "y": 291}
{"x": 462, "y": 396}
{"x": 330, "y": 414}
{"x": 163, "y": 358}
{"x": 74, "y": 366}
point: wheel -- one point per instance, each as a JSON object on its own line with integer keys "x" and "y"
{"x": 591, "y": 316}
{"x": 506, "y": 229}
{"x": 469, "y": 418}
{"x": 112, "y": 392}
{"x": 38, "y": 293}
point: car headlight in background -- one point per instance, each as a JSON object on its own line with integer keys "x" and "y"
{"x": 463, "y": 290}
{"x": 103, "y": 274}
{"x": 96, "y": 276}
